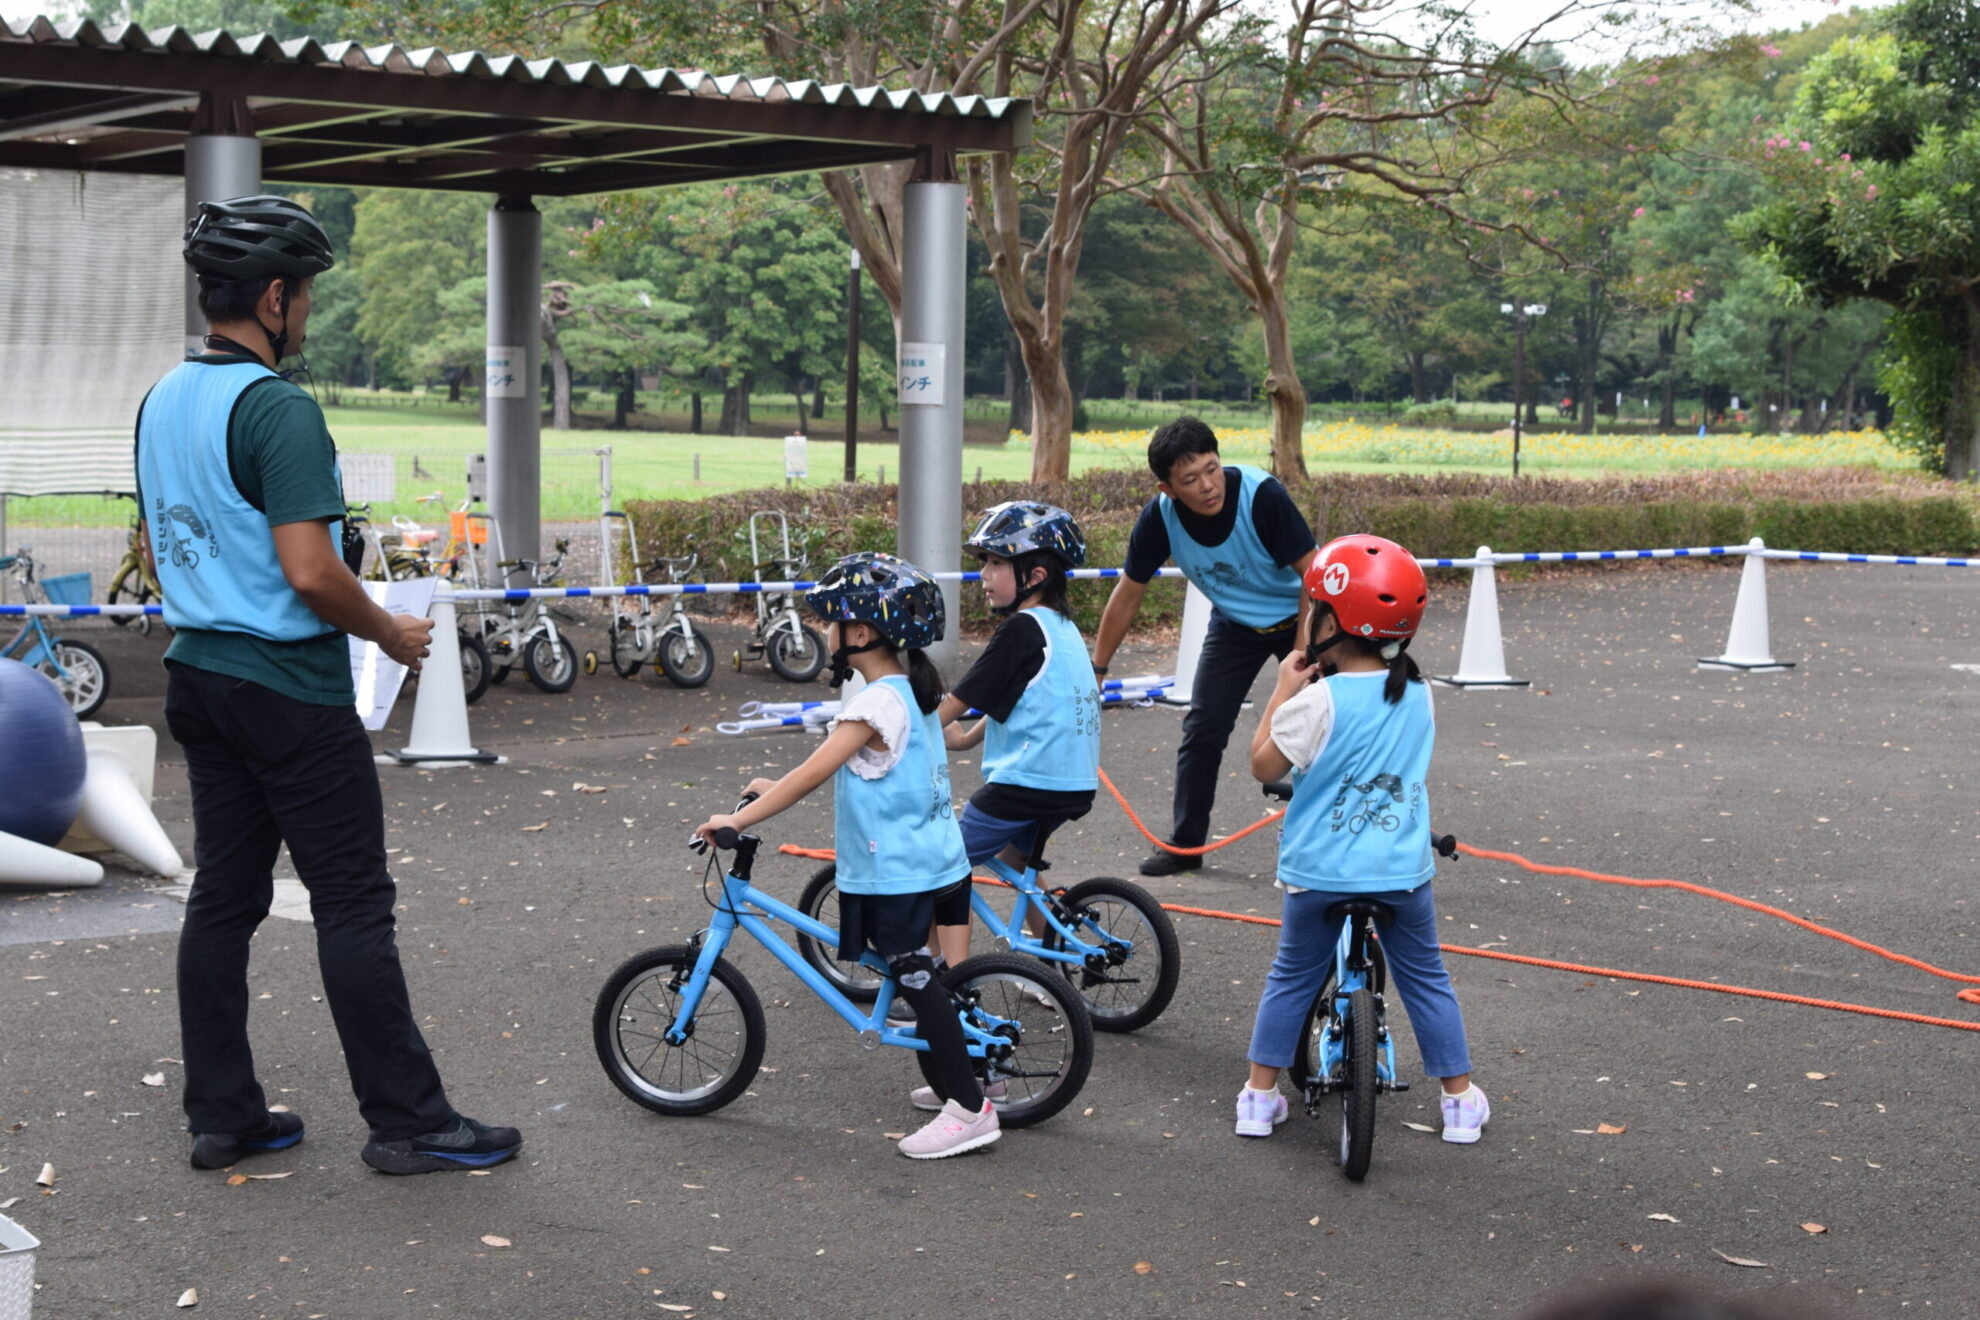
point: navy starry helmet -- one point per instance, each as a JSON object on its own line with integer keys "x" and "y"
{"x": 891, "y": 594}
{"x": 1018, "y": 527}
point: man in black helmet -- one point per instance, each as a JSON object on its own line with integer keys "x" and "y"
{"x": 238, "y": 484}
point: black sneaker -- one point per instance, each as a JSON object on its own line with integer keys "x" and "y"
{"x": 465, "y": 1145}
{"x": 218, "y": 1150}
{"x": 1165, "y": 862}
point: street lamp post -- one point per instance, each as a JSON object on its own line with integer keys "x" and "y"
{"x": 1520, "y": 316}
{"x": 852, "y": 371}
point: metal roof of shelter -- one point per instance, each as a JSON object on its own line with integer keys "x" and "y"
{"x": 81, "y": 97}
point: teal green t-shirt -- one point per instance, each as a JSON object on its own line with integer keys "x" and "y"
{"x": 284, "y": 463}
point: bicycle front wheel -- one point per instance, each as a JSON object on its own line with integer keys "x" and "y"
{"x": 550, "y": 663}
{"x": 688, "y": 662}
{"x": 724, "y": 1045}
{"x": 474, "y": 667}
{"x": 83, "y": 675}
{"x": 1358, "y": 1099}
{"x": 1129, "y": 984}
{"x": 797, "y": 654}
{"x": 820, "y": 902}
{"x": 1045, "y": 1046}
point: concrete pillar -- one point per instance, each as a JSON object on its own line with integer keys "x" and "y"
{"x": 223, "y": 159}
{"x": 514, "y": 385}
{"x": 932, "y": 305}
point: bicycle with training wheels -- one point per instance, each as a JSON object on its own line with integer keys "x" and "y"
{"x": 133, "y": 582}
{"x": 527, "y": 631}
{"x": 1108, "y": 938}
{"x": 78, "y": 668}
{"x": 794, "y": 649}
{"x": 1344, "y": 1042}
{"x": 661, "y": 634}
{"x": 681, "y": 1031}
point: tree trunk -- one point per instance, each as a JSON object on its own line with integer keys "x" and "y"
{"x": 818, "y": 397}
{"x": 1591, "y": 355}
{"x": 1667, "y": 346}
{"x": 694, "y": 413}
{"x": 1051, "y": 413}
{"x": 734, "y": 397}
{"x": 1963, "y": 409}
{"x": 560, "y": 385}
{"x": 1419, "y": 377}
{"x": 454, "y": 379}
{"x": 1016, "y": 385}
{"x": 803, "y": 425}
{"x": 627, "y": 400}
{"x": 1284, "y": 389}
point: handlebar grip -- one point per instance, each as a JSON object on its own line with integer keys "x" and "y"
{"x": 1445, "y": 844}
{"x": 726, "y": 839}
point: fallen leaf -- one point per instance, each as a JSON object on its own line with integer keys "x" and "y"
{"x": 1611, "y": 1129}
{"x": 1314, "y": 1222}
{"x": 1418, "y": 1127}
{"x": 668, "y": 1306}
{"x": 1816, "y": 1077}
{"x": 153, "y": 1079}
{"x": 47, "y": 1178}
{"x": 1814, "y": 1228}
{"x": 1663, "y": 1218}
{"x": 536, "y": 829}
{"x": 9, "y": 1203}
{"x": 683, "y": 742}
{"x": 491, "y": 1240}
{"x": 238, "y": 1180}
{"x": 189, "y": 1298}
{"x": 893, "y": 1136}
{"x": 278, "y": 1109}
{"x": 718, "y": 1248}
{"x": 1741, "y": 1261}
{"x": 1143, "y": 1267}
{"x": 271, "y": 1177}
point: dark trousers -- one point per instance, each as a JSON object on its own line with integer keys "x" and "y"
{"x": 266, "y": 770}
{"x": 1231, "y": 658}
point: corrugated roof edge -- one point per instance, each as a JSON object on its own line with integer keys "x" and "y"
{"x": 434, "y": 62}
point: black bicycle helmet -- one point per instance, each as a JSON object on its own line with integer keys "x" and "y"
{"x": 256, "y": 238}
{"x": 899, "y": 600}
{"x": 1018, "y": 527}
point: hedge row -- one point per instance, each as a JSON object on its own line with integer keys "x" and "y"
{"x": 1446, "y": 516}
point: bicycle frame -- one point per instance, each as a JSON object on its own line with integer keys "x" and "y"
{"x": 41, "y": 649}
{"x": 1353, "y": 965}
{"x": 1016, "y": 936}
{"x": 738, "y": 894}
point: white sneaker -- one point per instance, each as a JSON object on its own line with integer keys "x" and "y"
{"x": 1465, "y": 1116}
{"x": 1258, "y": 1112}
{"x": 924, "y": 1097}
{"x": 951, "y": 1132}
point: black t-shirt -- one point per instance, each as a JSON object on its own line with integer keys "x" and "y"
{"x": 1282, "y": 528}
{"x": 993, "y": 685}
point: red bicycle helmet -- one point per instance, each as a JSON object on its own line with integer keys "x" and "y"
{"x": 1372, "y": 584}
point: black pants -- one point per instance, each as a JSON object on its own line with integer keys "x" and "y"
{"x": 1229, "y": 664}
{"x": 266, "y": 770}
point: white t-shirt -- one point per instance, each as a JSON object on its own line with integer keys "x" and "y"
{"x": 878, "y": 706}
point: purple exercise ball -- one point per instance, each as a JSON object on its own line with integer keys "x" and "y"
{"x": 41, "y": 756}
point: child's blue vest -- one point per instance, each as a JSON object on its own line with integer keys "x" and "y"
{"x": 216, "y": 556}
{"x": 1052, "y": 740}
{"x": 1238, "y": 576}
{"x": 898, "y": 834}
{"x": 1359, "y": 819}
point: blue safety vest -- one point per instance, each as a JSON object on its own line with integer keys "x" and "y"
{"x": 215, "y": 553}
{"x": 1238, "y": 576}
{"x": 1359, "y": 819}
{"x": 1052, "y": 739}
{"x": 898, "y": 834}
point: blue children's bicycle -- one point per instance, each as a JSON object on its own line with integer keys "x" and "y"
{"x": 681, "y": 1031}
{"x": 77, "y": 667}
{"x": 1344, "y": 1043}
{"x": 1109, "y": 938}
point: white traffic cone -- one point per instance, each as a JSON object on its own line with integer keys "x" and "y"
{"x": 114, "y": 810}
{"x": 37, "y": 866}
{"x": 1747, "y": 645}
{"x": 1482, "y": 661}
{"x": 440, "y": 722}
{"x": 1189, "y": 647}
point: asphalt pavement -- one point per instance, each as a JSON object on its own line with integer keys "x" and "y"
{"x": 1827, "y": 1154}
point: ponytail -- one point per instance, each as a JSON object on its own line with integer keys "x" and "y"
{"x": 1402, "y": 672}
{"x": 923, "y": 679}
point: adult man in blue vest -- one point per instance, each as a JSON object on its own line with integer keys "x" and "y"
{"x": 238, "y": 484}
{"x": 1236, "y": 534}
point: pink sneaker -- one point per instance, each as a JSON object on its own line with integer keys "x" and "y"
{"x": 1258, "y": 1112}
{"x": 924, "y": 1097}
{"x": 952, "y": 1132}
{"x": 1465, "y": 1116}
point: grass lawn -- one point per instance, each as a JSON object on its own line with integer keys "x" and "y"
{"x": 431, "y": 443}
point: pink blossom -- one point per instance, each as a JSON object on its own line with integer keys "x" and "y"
{"x": 1871, "y": 192}
{"x": 1771, "y": 51}
{"x": 1808, "y": 146}
{"x": 1844, "y": 156}
{"x": 1637, "y": 214}
{"x": 1684, "y": 295}
{"x": 1652, "y": 80}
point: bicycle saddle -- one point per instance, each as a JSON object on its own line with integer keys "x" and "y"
{"x": 1281, "y": 789}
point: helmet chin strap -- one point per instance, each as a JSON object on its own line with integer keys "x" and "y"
{"x": 278, "y": 340}
{"x": 842, "y": 668}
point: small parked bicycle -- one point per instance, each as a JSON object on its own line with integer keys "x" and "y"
{"x": 794, "y": 649}
{"x": 527, "y": 631}
{"x": 133, "y": 582}
{"x": 77, "y": 667}
{"x": 681, "y": 1031}
{"x": 661, "y": 634}
{"x": 1345, "y": 1045}
{"x": 1109, "y": 938}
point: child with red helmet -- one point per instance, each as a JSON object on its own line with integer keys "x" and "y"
{"x": 1350, "y": 719}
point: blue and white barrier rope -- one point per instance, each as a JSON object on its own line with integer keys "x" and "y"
{"x": 746, "y": 588}
{"x": 763, "y": 716}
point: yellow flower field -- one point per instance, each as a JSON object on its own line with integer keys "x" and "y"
{"x": 1365, "y": 445}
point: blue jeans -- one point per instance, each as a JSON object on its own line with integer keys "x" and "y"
{"x": 1416, "y": 969}
{"x": 985, "y": 835}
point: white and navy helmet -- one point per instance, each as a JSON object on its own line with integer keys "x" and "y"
{"x": 1018, "y": 527}
{"x": 899, "y": 600}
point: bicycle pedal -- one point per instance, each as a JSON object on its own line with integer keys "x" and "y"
{"x": 1398, "y": 1086}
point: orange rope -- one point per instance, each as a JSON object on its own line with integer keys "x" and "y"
{"x": 1168, "y": 847}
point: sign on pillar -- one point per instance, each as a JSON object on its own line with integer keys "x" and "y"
{"x": 923, "y": 368}
{"x": 507, "y": 366}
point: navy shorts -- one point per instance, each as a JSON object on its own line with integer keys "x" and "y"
{"x": 897, "y": 924}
